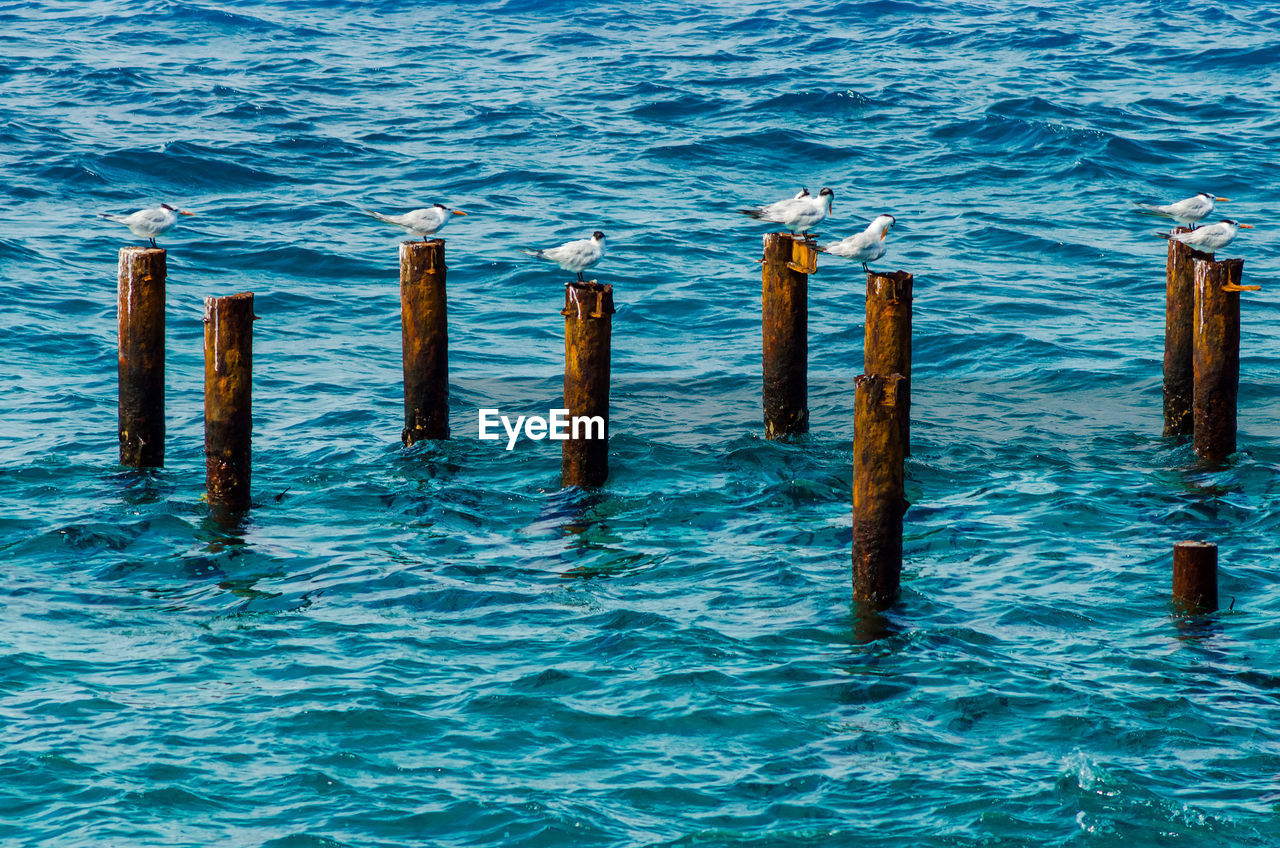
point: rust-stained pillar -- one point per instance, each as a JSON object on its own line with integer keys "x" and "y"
{"x": 1179, "y": 311}
{"x": 1195, "y": 576}
{"x": 228, "y": 400}
{"x": 1216, "y": 356}
{"x": 140, "y": 311}
{"x": 588, "y": 320}
{"x": 424, "y": 328}
{"x": 887, "y": 346}
{"x": 879, "y": 495}
{"x": 788, "y": 262}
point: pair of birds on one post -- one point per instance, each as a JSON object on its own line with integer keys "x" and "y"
{"x": 1191, "y": 211}
{"x": 576, "y": 256}
{"x": 804, "y": 211}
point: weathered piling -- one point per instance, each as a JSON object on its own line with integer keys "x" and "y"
{"x": 1195, "y": 577}
{"x": 788, "y": 261}
{"x": 887, "y": 341}
{"x": 228, "y": 400}
{"x": 1216, "y": 356}
{"x": 1179, "y": 313}
{"x": 424, "y": 327}
{"x": 879, "y": 495}
{"x": 140, "y": 321}
{"x": 588, "y": 326}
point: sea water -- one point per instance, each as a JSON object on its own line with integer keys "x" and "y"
{"x": 437, "y": 646}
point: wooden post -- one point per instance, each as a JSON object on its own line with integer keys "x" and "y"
{"x": 887, "y": 346}
{"x": 1195, "y": 577}
{"x": 228, "y": 400}
{"x": 424, "y": 327}
{"x": 1179, "y": 311}
{"x": 140, "y": 322}
{"x": 588, "y": 319}
{"x": 788, "y": 261}
{"x": 1216, "y": 357}
{"x": 879, "y": 496}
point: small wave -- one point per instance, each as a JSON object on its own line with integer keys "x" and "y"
{"x": 1007, "y": 134}
{"x": 71, "y": 173}
{"x": 685, "y": 106}
{"x": 822, "y": 101}
{"x": 879, "y": 8}
{"x": 766, "y": 145}
{"x": 297, "y": 261}
{"x": 183, "y": 164}
{"x": 235, "y": 23}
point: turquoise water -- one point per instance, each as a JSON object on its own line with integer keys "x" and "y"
{"x": 435, "y": 646}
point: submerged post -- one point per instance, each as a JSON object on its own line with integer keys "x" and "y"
{"x": 1195, "y": 577}
{"x": 588, "y": 326}
{"x": 879, "y": 494}
{"x": 424, "y": 328}
{"x": 1179, "y": 311}
{"x": 228, "y": 400}
{"x": 887, "y": 346}
{"x": 140, "y": 322}
{"x": 1216, "y": 356}
{"x": 788, "y": 261}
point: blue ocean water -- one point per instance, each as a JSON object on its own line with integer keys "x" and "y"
{"x": 435, "y": 646}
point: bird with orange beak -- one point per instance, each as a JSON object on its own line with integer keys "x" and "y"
{"x": 420, "y": 222}
{"x": 1188, "y": 212}
{"x": 866, "y": 246}
{"x": 1210, "y": 238}
{"x": 149, "y": 223}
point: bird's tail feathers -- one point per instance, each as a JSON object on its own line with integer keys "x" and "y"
{"x": 119, "y": 219}
{"x": 536, "y": 254}
{"x": 1148, "y": 209}
{"x": 751, "y": 213}
{"x": 1165, "y": 236}
{"x": 386, "y": 219}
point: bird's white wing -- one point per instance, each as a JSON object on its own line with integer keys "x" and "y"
{"x": 428, "y": 220}
{"x": 569, "y": 251}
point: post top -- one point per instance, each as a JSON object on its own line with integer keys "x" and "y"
{"x": 802, "y": 238}
{"x": 236, "y": 296}
{"x": 589, "y": 299}
{"x": 1194, "y": 544}
{"x": 1209, "y": 259}
{"x": 134, "y": 248}
{"x": 898, "y": 276}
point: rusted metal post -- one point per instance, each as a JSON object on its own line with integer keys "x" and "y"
{"x": 879, "y": 496}
{"x": 1216, "y": 356}
{"x": 228, "y": 400}
{"x": 1195, "y": 576}
{"x": 424, "y": 327}
{"x": 887, "y": 346}
{"x": 1179, "y": 311}
{"x": 788, "y": 262}
{"x": 588, "y": 327}
{"x": 140, "y": 310}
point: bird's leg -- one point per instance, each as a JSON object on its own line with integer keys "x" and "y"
{"x": 865, "y": 268}
{"x": 581, "y": 278}
{"x": 153, "y": 243}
